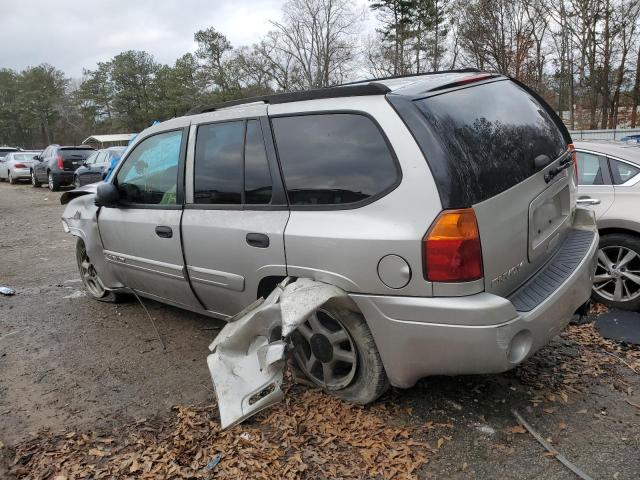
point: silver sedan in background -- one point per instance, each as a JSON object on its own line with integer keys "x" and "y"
{"x": 609, "y": 181}
{"x": 16, "y": 165}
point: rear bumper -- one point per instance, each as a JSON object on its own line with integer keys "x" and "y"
{"x": 63, "y": 177}
{"x": 21, "y": 173}
{"x": 476, "y": 334}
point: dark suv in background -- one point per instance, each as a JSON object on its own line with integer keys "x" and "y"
{"x": 56, "y": 165}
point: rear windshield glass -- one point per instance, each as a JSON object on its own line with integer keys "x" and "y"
{"x": 490, "y": 135}
{"x": 23, "y": 157}
{"x": 75, "y": 154}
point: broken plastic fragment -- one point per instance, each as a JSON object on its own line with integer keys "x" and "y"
{"x": 7, "y": 291}
{"x": 248, "y": 355}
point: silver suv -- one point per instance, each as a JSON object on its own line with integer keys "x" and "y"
{"x": 443, "y": 204}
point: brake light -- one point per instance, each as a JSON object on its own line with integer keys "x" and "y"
{"x": 20, "y": 165}
{"x": 60, "y": 162}
{"x": 451, "y": 249}
{"x": 574, "y": 159}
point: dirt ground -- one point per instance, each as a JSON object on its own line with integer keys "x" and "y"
{"x": 69, "y": 365}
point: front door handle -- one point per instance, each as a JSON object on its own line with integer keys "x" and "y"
{"x": 259, "y": 240}
{"x": 164, "y": 232}
{"x": 588, "y": 201}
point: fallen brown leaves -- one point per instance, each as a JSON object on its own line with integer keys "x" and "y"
{"x": 310, "y": 435}
{"x": 560, "y": 370}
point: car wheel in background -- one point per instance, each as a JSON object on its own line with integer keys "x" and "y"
{"x": 12, "y": 180}
{"x": 76, "y": 181}
{"x": 91, "y": 280}
{"x": 336, "y": 351}
{"x": 54, "y": 186}
{"x": 34, "y": 180}
{"x": 617, "y": 279}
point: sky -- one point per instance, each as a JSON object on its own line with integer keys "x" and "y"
{"x": 76, "y": 34}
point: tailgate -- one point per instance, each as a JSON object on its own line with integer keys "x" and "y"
{"x": 73, "y": 158}
{"x": 522, "y": 228}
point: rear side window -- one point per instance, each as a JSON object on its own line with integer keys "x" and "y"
{"x": 489, "y": 136}
{"x": 621, "y": 172}
{"x": 589, "y": 169}
{"x": 333, "y": 159}
{"x": 231, "y": 164}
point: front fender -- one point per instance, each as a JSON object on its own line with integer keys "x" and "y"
{"x": 80, "y": 217}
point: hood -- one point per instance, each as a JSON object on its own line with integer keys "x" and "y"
{"x": 78, "y": 192}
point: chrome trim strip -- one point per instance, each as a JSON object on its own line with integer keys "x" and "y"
{"x": 216, "y": 278}
{"x": 142, "y": 264}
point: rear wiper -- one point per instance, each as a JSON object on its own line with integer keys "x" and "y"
{"x": 563, "y": 165}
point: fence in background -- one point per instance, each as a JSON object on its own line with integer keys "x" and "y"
{"x": 604, "y": 134}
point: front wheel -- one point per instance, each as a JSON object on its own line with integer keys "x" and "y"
{"x": 334, "y": 349}
{"x": 12, "y": 180}
{"x": 617, "y": 278}
{"x": 76, "y": 182}
{"x": 34, "y": 180}
{"x": 90, "y": 278}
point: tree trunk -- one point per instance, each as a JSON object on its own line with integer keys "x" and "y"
{"x": 636, "y": 93}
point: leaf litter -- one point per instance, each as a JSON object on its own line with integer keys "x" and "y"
{"x": 310, "y": 434}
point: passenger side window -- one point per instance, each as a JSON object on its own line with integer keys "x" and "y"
{"x": 589, "y": 169}
{"x": 91, "y": 159}
{"x": 333, "y": 159}
{"x": 150, "y": 173}
{"x": 621, "y": 172}
{"x": 220, "y": 152}
{"x": 218, "y": 164}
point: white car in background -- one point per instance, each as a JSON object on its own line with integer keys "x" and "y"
{"x": 609, "y": 181}
{"x": 16, "y": 165}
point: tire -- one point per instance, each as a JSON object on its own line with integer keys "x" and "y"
{"x": 364, "y": 383}
{"x": 54, "y": 186}
{"x": 76, "y": 182}
{"x": 90, "y": 279}
{"x": 618, "y": 272}
{"x": 12, "y": 180}
{"x": 34, "y": 181}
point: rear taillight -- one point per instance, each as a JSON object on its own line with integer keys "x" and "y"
{"x": 574, "y": 159}
{"x": 451, "y": 248}
{"x": 20, "y": 165}
{"x": 60, "y": 162}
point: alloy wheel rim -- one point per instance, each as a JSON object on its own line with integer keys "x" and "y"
{"x": 33, "y": 178}
{"x": 325, "y": 351}
{"x": 89, "y": 275}
{"x": 50, "y": 182}
{"x": 617, "y": 276}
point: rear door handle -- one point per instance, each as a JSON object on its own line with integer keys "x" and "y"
{"x": 259, "y": 240}
{"x": 588, "y": 201}
{"x": 164, "y": 232}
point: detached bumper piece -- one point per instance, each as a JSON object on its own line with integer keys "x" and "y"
{"x": 248, "y": 355}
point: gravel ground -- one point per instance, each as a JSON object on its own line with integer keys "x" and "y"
{"x": 68, "y": 363}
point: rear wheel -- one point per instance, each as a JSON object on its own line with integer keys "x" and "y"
{"x": 617, "y": 278}
{"x": 34, "y": 179}
{"x": 336, "y": 351}
{"x": 91, "y": 280}
{"x": 54, "y": 186}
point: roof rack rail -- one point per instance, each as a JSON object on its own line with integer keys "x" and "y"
{"x": 458, "y": 70}
{"x": 318, "y": 93}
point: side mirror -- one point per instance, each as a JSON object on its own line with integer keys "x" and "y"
{"x": 37, "y": 157}
{"x": 107, "y": 195}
